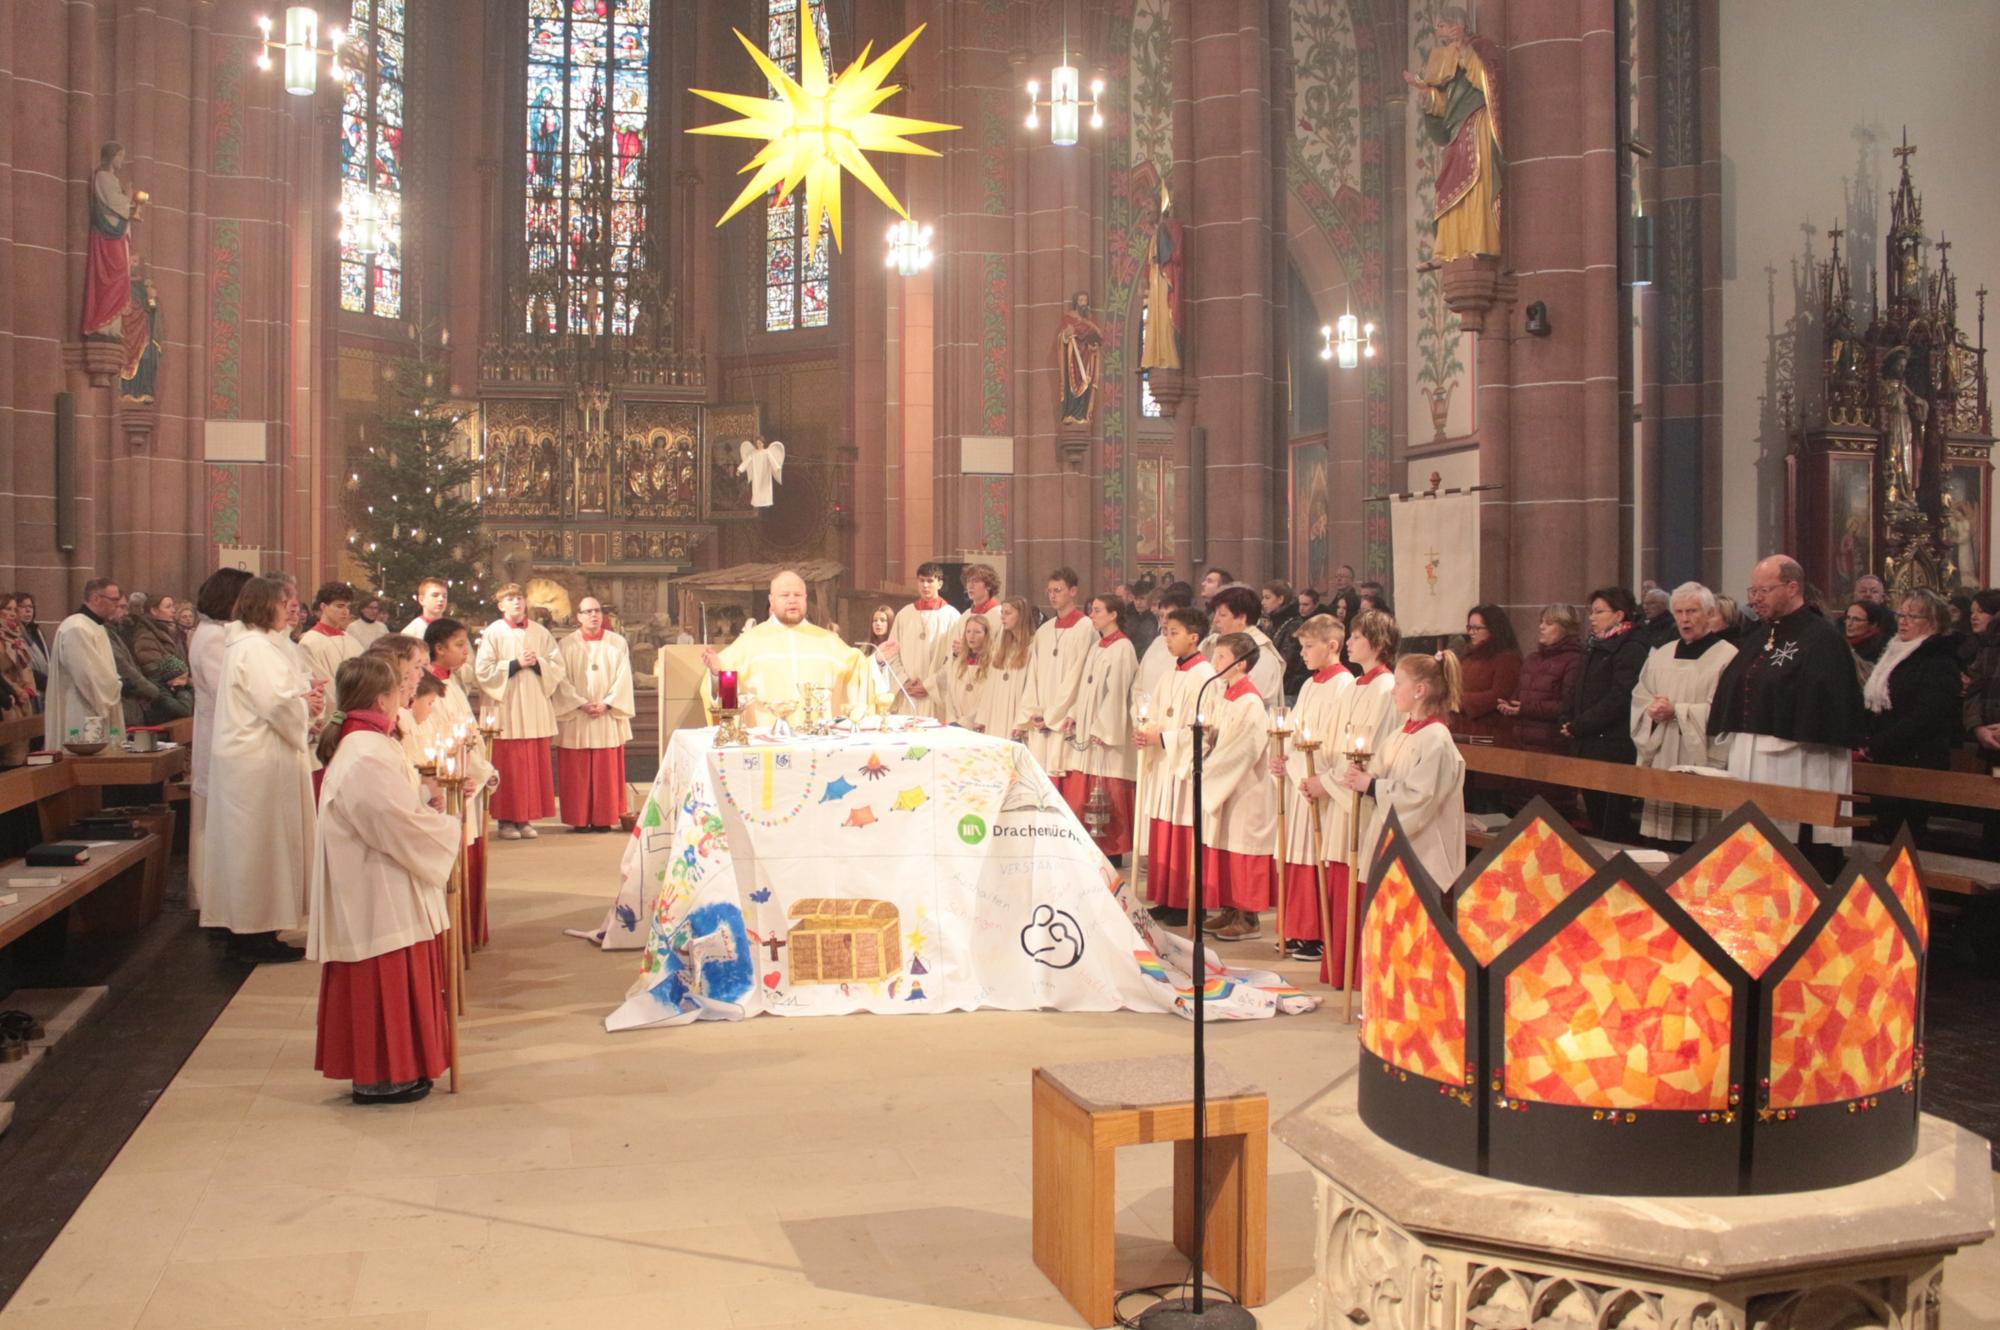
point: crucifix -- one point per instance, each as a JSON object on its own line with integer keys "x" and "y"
{"x": 775, "y": 944}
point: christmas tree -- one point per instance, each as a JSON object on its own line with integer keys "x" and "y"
{"x": 413, "y": 492}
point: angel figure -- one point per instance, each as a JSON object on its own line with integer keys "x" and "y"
{"x": 763, "y": 465}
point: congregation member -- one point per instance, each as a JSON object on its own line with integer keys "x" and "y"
{"x": 450, "y": 647}
{"x": 83, "y": 681}
{"x": 1099, "y": 731}
{"x": 381, "y": 854}
{"x": 1418, "y": 773}
{"x": 141, "y": 701}
{"x": 1869, "y": 626}
{"x": 1309, "y": 603}
{"x": 327, "y": 642}
{"x": 160, "y": 652}
{"x": 1234, "y": 609}
{"x": 1142, "y": 626}
{"x": 1280, "y": 623}
{"x": 1789, "y": 704}
{"x": 215, "y": 603}
{"x": 1315, "y": 719}
{"x": 519, "y": 669}
{"x": 1374, "y": 597}
{"x": 1491, "y": 665}
{"x": 1366, "y": 710}
{"x": 1981, "y": 713}
{"x": 367, "y": 623}
{"x": 1239, "y": 801}
{"x": 1872, "y": 589}
{"x": 919, "y": 647}
{"x": 1656, "y": 624}
{"x": 1062, "y": 647}
{"x": 1213, "y": 581}
{"x": 1728, "y": 617}
{"x": 39, "y": 644}
{"x": 785, "y": 654}
{"x": 1913, "y": 698}
{"x": 1670, "y": 706}
{"x": 1166, "y": 752}
{"x": 594, "y": 722}
{"x": 258, "y": 828}
{"x": 1598, "y": 723}
{"x": 17, "y": 662}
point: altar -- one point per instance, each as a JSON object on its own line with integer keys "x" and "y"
{"x": 895, "y": 872}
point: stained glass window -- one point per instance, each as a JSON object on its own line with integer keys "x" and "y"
{"x": 798, "y": 291}
{"x": 588, "y": 101}
{"x": 371, "y": 161}
{"x": 1149, "y": 409}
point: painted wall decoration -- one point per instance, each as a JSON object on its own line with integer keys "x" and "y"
{"x": 1967, "y": 528}
{"x": 1326, "y": 91}
{"x": 1312, "y": 516}
{"x": 225, "y": 319}
{"x": 1441, "y": 357}
{"x": 1851, "y": 521}
{"x": 1153, "y": 507}
{"x": 1152, "y": 86}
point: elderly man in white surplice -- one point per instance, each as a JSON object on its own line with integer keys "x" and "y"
{"x": 1670, "y": 709}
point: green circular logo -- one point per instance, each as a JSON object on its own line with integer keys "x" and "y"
{"x": 972, "y": 828}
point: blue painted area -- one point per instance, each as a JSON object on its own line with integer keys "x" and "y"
{"x": 707, "y": 957}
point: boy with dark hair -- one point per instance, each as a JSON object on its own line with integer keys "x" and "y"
{"x": 919, "y": 646}
{"x": 1061, "y": 649}
{"x": 326, "y": 643}
{"x": 1166, "y": 750}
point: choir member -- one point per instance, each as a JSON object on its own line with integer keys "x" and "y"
{"x": 381, "y": 857}
{"x": 1062, "y": 648}
{"x": 419, "y": 724}
{"x": 257, "y": 858}
{"x": 1100, "y": 730}
{"x": 595, "y": 721}
{"x": 432, "y": 596}
{"x": 1314, "y": 716}
{"x": 367, "y": 625}
{"x": 518, "y": 667}
{"x": 216, "y": 604}
{"x": 879, "y": 625}
{"x": 982, "y": 588}
{"x": 1167, "y": 748}
{"x": 1013, "y": 651}
{"x": 786, "y": 654}
{"x": 1366, "y": 710}
{"x": 1239, "y": 800}
{"x": 83, "y": 682}
{"x": 1234, "y": 609}
{"x": 1157, "y": 662}
{"x": 450, "y": 647}
{"x": 971, "y": 674}
{"x": 1418, "y": 774}
{"x": 919, "y": 646}
{"x": 327, "y": 642}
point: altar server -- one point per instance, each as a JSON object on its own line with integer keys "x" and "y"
{"x": 1419, "y": 774}
{"x": 216, "y": 604}
{"x": 367, "y": 626}
{"x": 1234, "y": 609}
{"x": 380, "y": 861}
{"x": 1100, "y": 730}
{"x": 1366, "y": 710}
{"x": 1239, "y": 799}
{"x": 786, "y": 654}
{"x": 919, "y": 647}
{"x": 1062, "y": 648}
{"x": 450, "y": 648}
{"x": 1315, "y": 719}
{"x": 964, "y": 695}
{"x": 83, "y": 672}
{"x": 1167, "y": 747}
{"x": 519, "y": 668}
{"x": 982, "y": 588}
{"x": 327, "y": 642}
{"x": 432, "y": 597}
{"x": 1156, "y": 662}
{"x": 595, "y": 721}
{"x": 257, "y": 856}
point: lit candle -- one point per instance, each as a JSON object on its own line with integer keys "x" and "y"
{"x": 725, "y": 689}
{"x": 1305, "y": 734}
{"x": 430, "y": 754}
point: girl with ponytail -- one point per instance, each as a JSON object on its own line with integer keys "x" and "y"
{"x": 1418, "y": 774}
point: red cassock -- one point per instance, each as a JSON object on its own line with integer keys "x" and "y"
{"x": 1302, "y": 910}
{"x": 1169, "y": 864}
{"x": 592, "y": 784}
{"x": 1232, "y": 881}
{"x": 476, "y": 932}
{"x": 526, "y": 788}
{"x": 1123, "y": 794}
{"x": 382, "y": 1020}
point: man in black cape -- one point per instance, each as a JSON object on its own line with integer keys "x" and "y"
{"x": 1791, "y": 703}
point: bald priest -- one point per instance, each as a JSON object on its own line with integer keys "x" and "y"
{"x": 782, "y": 656}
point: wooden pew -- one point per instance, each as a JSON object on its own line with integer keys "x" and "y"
{"x": 1782, "y": 803}
{"x": 108, "y": 863}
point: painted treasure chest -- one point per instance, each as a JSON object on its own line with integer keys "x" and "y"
{"x": 844, "y": 941}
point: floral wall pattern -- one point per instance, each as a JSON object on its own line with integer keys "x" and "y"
{"x": 1441, "y": 389}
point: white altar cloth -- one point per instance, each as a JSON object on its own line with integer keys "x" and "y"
{"x": 932, "y": 869}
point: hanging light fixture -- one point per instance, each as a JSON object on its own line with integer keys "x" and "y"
{"x": 1347, "y": 341}
{"x": 1065, "y": 101}
{"x": 909, "y": 247}
{"x": 301, "y": 48}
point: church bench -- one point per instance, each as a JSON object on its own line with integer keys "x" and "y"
{"x": 108, "y": 863}
{"x": 29, "y": 728}
{"x": 1781, "y": 803}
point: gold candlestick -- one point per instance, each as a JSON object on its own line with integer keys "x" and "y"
{"x": 1281, "y": 730}
{"x": 1358, "y": 754}
{"x": 1310, "y": 746}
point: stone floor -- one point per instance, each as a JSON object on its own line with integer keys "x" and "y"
{"x": 803, "y": 1173}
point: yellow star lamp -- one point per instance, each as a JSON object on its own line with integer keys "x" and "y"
{"x": 817, "y": 126}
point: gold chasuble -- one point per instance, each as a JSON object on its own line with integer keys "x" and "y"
{"x": 776, "y": 662}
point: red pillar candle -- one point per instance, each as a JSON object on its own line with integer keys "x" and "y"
{"x": 725, "y": 689}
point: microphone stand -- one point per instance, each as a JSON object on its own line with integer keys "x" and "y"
{"x": 1197, "y": 1313}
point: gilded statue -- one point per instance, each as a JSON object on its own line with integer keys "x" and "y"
{"x": 1080, "y": 357}
{"x": 1458, "y": 101}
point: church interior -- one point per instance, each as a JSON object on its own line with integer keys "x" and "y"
{"x": 1510, "y": 310}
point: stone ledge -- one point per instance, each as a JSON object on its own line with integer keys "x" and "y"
{"x": 1941, "y": 1200}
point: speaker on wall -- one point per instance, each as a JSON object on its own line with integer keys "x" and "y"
{"x": 66, "y": 467}
{"x": 1197, "y": 495}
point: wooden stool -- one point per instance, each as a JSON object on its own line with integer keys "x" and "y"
{"x": 1085, "y": 1110}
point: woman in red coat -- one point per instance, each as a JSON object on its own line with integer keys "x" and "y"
{"x": 1491, "y": 662}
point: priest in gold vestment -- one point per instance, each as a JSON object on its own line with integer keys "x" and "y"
{"x": 1458, "y": 98}
{"x": 779, "y": 658}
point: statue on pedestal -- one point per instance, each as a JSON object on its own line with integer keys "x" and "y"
{"x": 1166, "y": 268}
{"x": 1080, "y": 357}
{"x": 1458, "y": 101}
{"x": 142, "y": 328}
{"x": 107, "y": 271}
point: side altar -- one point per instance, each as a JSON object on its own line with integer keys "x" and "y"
{"x": 898, "y": 872}
{"x": 1892, "y": 471}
